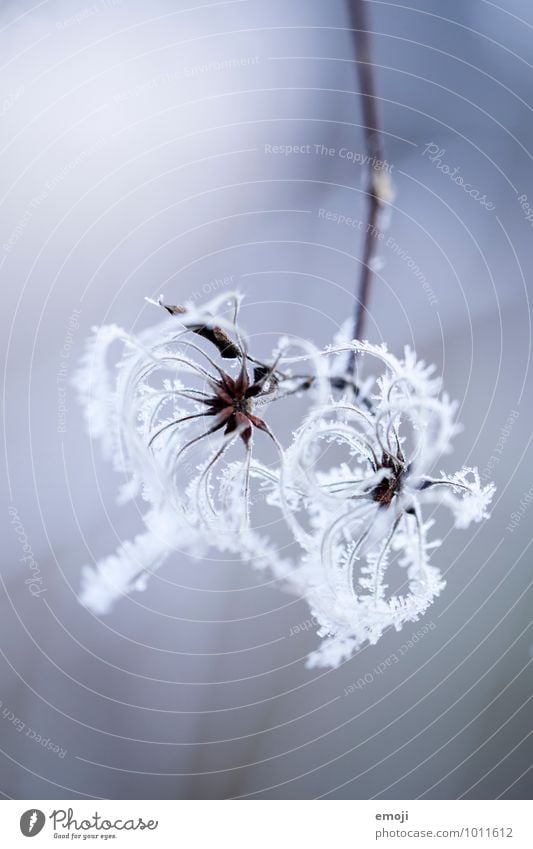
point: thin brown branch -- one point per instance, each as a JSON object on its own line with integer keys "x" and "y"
{"x": 376, "y": 185}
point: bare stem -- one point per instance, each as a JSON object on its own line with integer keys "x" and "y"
{"x": 374, "y": 152}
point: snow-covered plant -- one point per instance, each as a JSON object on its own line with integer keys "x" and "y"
{"x": 177, "y": 414}
{"x": 355, "y": 484}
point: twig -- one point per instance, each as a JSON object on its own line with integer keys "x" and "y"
{"x": 377, "y": 184}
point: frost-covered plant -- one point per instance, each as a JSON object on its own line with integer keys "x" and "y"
{"x": 177, "y": 415}
{"x": 353, "y": 489}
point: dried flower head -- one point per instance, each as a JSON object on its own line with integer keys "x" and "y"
{"x": 357, "y": 479}
{"x": 171, "y": 416}
{"x": 178, "y": 416}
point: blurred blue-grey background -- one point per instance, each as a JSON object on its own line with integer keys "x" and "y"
{"x": 138, "y": 156}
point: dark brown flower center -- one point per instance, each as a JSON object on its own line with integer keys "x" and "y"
{"x": 242, "y": 405}
{"x": 387, "y": 488}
